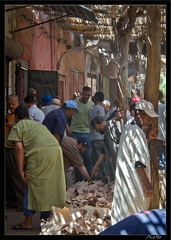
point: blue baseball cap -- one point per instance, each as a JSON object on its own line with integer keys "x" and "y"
{"x": 47, "y": 99}
{"x": 85, "y": 142}
{"x": 70, "y": 104}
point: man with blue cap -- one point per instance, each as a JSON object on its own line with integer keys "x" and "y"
{"x": 56, "y": 120}
{"x": 35, "y": 113}
{"x": 72, "y": 151}
{"x": 48, "y": 106}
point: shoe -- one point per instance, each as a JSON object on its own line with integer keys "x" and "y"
{"x": 21, "y": 227}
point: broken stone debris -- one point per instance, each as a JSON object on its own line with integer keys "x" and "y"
{"x": 88, "y": 211}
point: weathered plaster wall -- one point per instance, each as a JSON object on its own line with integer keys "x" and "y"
{"x": 44, "y": 52}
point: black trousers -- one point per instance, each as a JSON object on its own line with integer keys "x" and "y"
{"x": 14, "y": 185}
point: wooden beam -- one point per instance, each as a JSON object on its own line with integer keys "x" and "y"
{"x": 90, "y": 32}
{"x": 151, "y": 88}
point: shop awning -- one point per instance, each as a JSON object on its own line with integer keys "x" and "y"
{"x": 13, "y": 50}
{"x": 61, "y": 11}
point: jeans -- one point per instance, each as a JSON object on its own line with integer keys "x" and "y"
{"x": 86, "y": 156}
{"x": 161, "y": 154}
{"x": 27, "y": 212}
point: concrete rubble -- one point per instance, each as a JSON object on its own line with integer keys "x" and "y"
{"x": 88, "y": 211}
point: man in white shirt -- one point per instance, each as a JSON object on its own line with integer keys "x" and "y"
{"x": 133, "y": 188}
{"x": 97, "y": 139}
{"x": 34, "y": 112}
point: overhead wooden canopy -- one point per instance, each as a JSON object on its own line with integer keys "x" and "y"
{"x": 103, "y": 30}
{"x": 79, "y": 11}
{"x": 95, "y": 22}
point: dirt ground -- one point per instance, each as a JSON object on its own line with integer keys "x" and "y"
{"x": 12, "y": 217}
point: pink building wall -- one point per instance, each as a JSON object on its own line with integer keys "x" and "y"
{"x": 37, "y": 45}
{"x": 43, "y": 52}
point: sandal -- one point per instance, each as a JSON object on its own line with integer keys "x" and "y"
{"x": 21, "y": 227}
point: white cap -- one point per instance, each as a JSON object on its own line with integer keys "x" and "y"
{"x": 146, "y": 107}
{"x": 106, "y": 102}
{"x": 56, "y": 101}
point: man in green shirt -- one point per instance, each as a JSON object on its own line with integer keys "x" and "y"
{"x": 80, "y": 126}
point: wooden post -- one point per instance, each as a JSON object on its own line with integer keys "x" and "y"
{"x": 151, "y": 86}
{"x": 122, "y": 30}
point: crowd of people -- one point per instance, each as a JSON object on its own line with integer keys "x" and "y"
{"x": 100, "y": 141}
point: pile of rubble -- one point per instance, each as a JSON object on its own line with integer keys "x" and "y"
{"x": 162, "y": 189}
{"x": 88, "y": 211}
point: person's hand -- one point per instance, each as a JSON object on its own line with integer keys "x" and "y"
{"x": 119, "y": 115}
{"x": 91, "y": 181}
{"x": 94, "y": 171}
{"x": 9, "y": 125}
{"x": 153, "y": 134}
{"x": 68, "y": 130}
{"x": 122, "y": 114}
{"x": 25, "y": 181}
{"x": 150, "y": 132}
